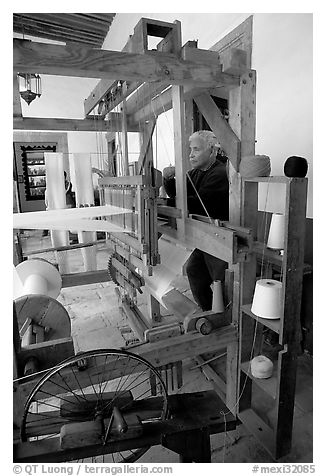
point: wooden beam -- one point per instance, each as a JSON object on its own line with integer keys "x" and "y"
{"x": 84, "y": 125}
{"x": 17, "y": 107}
{"x": 89, "y": 277}
{"x": 147, "y": 140}
{"x": 158, "y": 353}
{"x": 217, "y": 241}
{"x": 86, "y": 62}
{"x": 180, "y": 156}
{"x": 226, "y": 136}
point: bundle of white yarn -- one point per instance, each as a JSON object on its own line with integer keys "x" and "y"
{"x": 255, "y": 166}
{"x": 261, "y": 367}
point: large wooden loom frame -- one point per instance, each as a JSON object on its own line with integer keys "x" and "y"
{"x": 194, "y": 74}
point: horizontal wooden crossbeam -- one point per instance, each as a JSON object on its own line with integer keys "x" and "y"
{"x": 80, "y": 61}
{"x": 113, "y": 124}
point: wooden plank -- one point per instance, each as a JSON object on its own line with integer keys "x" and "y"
{"x": 169, "y": 211}
{"x": 180, "y": 158}
{"x": 157, "y": 353}
{"x": 145, "y": 148}
{"x": 190, "y": 53}
{"x": 88, "y": 277}
{"x": 192, "y": 412}
{"x": 80, "y": 61}
{"x": 202, "y": 236}
{"x": 287, "y": 372}
{"x": 136, "y": 320}
{"x": 84, "y": 125}
{"x": 235, "y": 62}
{"x": 124, "y": 141}
{"x": 63, "y": 248}
{"x": 240, "y": 37}
{"x": 131, "y": 180}
{"x": 218, "y": 383}
{"x": 227, "y": 138}
{"x": 273, "y": 324}
{"x": 293, "y": 261}
{"x": 17, "y": 107}
{"x": 271, "y": 179}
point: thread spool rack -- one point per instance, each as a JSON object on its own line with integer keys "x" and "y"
{"x": 274, "y": 426}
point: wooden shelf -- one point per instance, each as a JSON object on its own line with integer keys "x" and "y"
{"x": 268, "y": 385}
{"x": 271, "y": 179}
{"x": 273, "y": 324}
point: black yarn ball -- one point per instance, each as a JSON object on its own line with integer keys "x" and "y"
{"x": 295, "y": 166}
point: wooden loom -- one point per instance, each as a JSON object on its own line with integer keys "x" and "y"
{"x": 177, "y": 77}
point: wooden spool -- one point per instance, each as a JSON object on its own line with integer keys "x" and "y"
{"x": 40, "y": 316}
{"x": 45, "y": 312}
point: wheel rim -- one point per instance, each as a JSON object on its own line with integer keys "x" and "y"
{"x": 70, "y": 393}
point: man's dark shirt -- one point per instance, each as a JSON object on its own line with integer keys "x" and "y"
{"x": 212, "y": 186}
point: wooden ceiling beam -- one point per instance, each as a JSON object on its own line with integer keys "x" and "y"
{"x": 113, "y": 124}
{"x": 80, "y": 61}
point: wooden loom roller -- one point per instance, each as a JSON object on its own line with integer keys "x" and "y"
{"x": 40, "y": 316}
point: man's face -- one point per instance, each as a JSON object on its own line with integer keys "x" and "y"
{"x": 200, "y": 156}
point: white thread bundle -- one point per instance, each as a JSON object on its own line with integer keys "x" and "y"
{"x": 261, "y": 367}
{"x": 255, "y": 166}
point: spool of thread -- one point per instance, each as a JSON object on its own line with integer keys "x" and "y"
{"x": 37, "y": 276}
{"x": 218, "y": 304}
{"x": 276, "y": 232}
{"x": 261, "y": 367}
{"x": 35, "y": 284}
{"x": 267, "y": 299}
{"x": 255, "y": 166}
{"x": 295, "y": 166}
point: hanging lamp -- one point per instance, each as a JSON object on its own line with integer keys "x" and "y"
{"x": 29, "y": 86}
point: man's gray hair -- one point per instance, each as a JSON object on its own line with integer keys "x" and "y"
{"x": 208, "y": 137}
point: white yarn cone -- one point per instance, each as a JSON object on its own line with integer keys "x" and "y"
{"x": 218, "y": 304}
{"x": 276, "y": 232}
{"x": 267, "y": 299}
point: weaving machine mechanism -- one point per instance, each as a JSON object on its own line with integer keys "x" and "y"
{"x": 114, "y": 402}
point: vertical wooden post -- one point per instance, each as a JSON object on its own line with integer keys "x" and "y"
{"x": 124, "y": 143}
{"x": 243, "y": 208}
{"x": 180, "y": 156}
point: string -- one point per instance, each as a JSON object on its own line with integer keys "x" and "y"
{"x": 201, "y": 201}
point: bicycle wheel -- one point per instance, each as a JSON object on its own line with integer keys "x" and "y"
{"x": 91, "y": 385}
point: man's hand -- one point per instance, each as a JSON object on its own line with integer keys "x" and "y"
{"x": 169, "y": 172}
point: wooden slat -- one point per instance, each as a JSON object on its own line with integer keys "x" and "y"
{"x": 131, "y": 180}
{"x": 86, "y": 125}
{"x": 180, "y": 156}
{"x": 89, "y": 29}
{"x": 17, "y": 107}
{"x": 88, "y": 277}
{"x": 293, "y": 260}
{"x": 81, "y": 61}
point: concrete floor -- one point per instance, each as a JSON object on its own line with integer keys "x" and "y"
{"x": 97, "y": 323}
